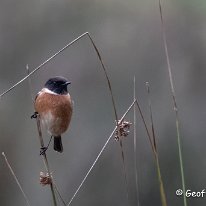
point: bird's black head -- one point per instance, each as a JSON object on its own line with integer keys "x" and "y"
{"x": 57, "y": 85}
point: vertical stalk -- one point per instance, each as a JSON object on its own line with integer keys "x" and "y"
{"x": 45, "y": 160}
{"x": 174, "y": 103}
{"x": 135, "y": 146}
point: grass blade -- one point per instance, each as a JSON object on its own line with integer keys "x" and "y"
{"x": 161, "y": 186}
{"x": 135, "y": 148}
{"x": 16, "y": 179}
{"x": 175, "y": 104}
{"x": 98, "y": 156}
{"x": 42, "y": 64}
{"x": 124, "y": 169}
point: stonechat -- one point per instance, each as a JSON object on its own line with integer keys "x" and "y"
{"x": 53, "y": 104}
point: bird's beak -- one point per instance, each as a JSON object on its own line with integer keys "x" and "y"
{"x": 67, "y": 83}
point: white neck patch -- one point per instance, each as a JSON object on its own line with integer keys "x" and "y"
{"x": 47, "y": 91}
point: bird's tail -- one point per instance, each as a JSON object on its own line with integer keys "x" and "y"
{"x": 58, "y": 144}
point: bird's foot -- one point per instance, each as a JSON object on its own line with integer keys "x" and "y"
{"x": 43, "y": 150}
{"x": 34, "y": 116}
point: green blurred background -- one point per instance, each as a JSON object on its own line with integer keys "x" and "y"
{"x": 128, "y": 34}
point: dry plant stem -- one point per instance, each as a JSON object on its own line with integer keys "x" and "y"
{"x": 46, "y": 160}
{"x": 44, "y": 63}
{"x": 175, "y": 104}
{"x": 100, "y": 153}
{"x": 106, "y": 75}
{"x": 162, "y": 190}
{"x": 124, "y": 168}
{"x": 17, "y": 181}
{"x": 115, "y": 112}
{"x": 151, "y": 116}
{"x": 146, "y": 128}
{"x": 60, "y": 197}
{"x": 161, "y": 186}
{"x": 135, "y": 149}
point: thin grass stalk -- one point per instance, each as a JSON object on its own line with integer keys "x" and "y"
{"x": 175, "y": 104}
{"x": 146, "y": 127}
{"x": 135, "y": 147}
{"x": 151, "y": 116}
{"x": 163, "y": 196}
{"x": 161, "y": 185}
{"x": 115, "y": 112}
{"x": 59, "y": 194}
{"x": 45, "y": 160}
{"x": 106, "y": 75}
{"x": 98, "y": 156}
{"x": 42, "y": 64}
{"x": 16, "y": 179}
{"x": 124, "y": 164}
{"x": 124, "y": 169}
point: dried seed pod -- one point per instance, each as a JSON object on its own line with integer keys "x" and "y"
{"x": 122, "y": 130}
{"x": 45, "y": 178}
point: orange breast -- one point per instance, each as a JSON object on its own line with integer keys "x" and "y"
{"x": 55, "y": 111}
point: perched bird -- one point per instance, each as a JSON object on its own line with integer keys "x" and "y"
{"x": 53, "y": 104}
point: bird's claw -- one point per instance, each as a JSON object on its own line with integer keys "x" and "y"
{"x": 43, "y": 150}
{"x": 34, "y": 116}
